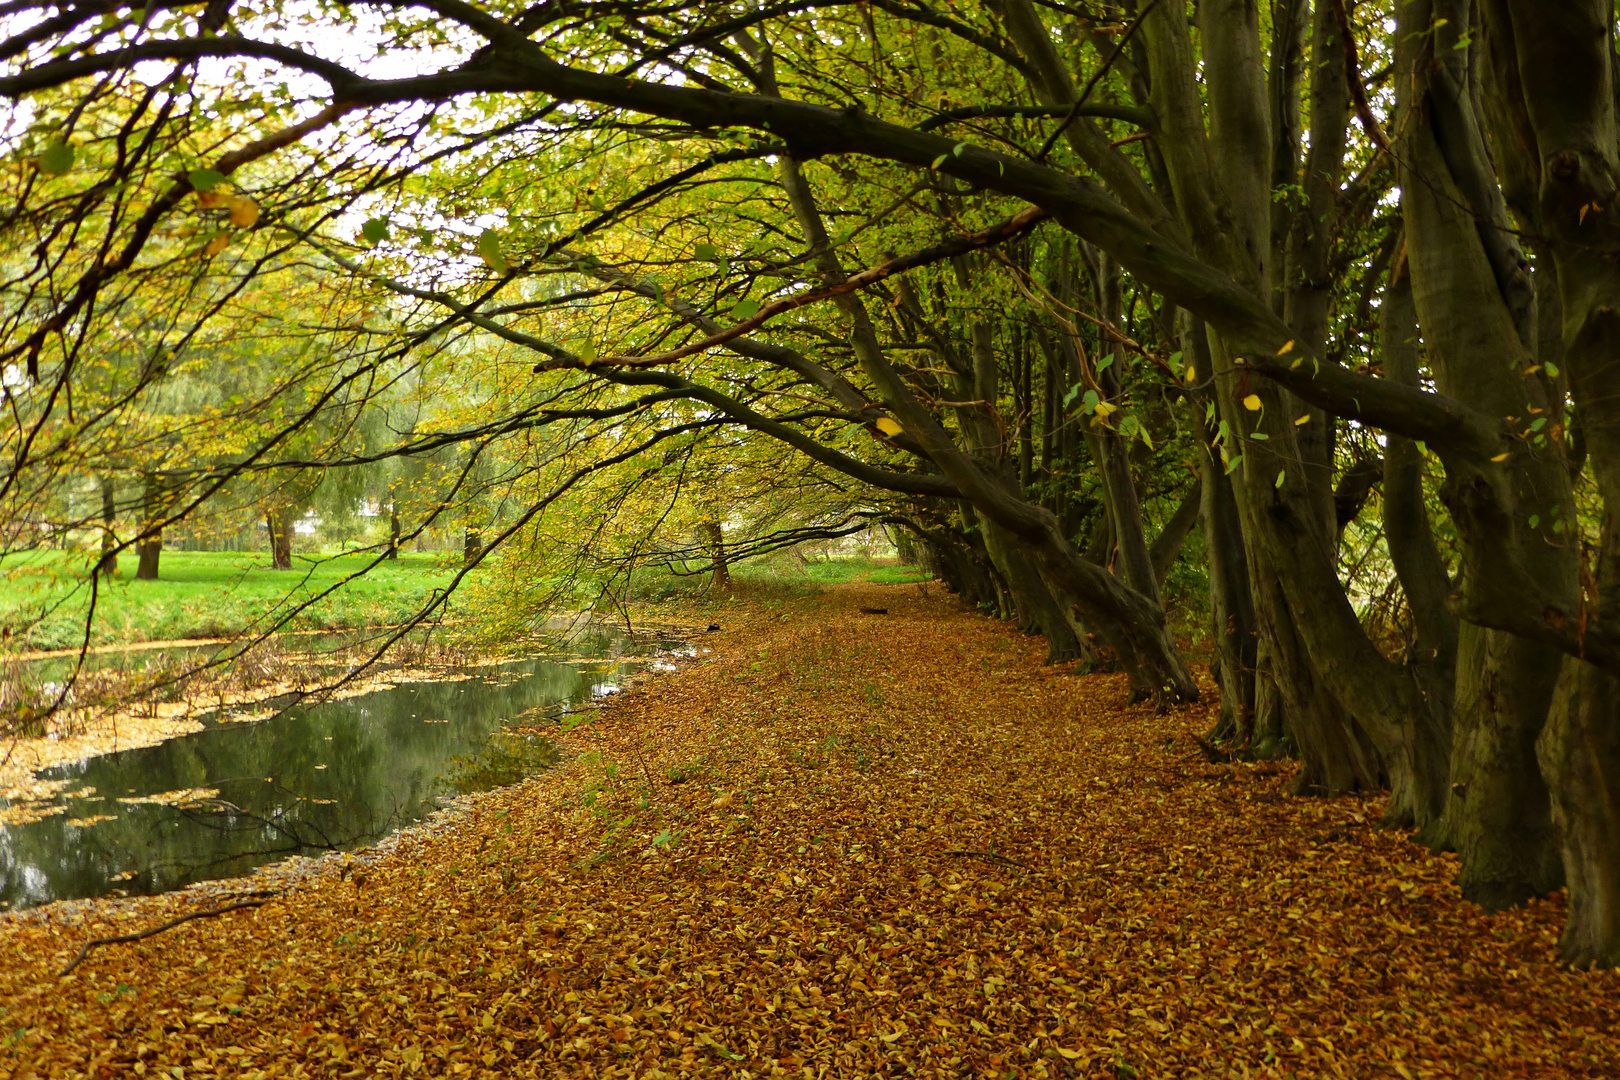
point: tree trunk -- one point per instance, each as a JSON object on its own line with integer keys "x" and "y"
{"x": 278, "y": 523}
{"x": 1550, "y": 96}
{"x": 472, "y": 544}
{"x": 1476, "y": 309}
{"x": 1038, "y": 612}
{"x": 107, "y": 565}
{"x": 1113, "y": 456}
{"x": 150, "y": 548}
{"x": 393, "y": 529}
{"x": 719, "y": 568}
{"x": 1432, "y": 663}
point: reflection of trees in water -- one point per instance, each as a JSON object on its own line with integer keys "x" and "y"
{"x": 311, "y": 780}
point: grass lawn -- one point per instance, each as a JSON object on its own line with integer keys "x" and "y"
{"x": 43, "y": 597}
{"x": 837, "y": 571}
{"x": 202, "y": 594}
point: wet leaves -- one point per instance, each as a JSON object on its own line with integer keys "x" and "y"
{"x": 905, "y": 849}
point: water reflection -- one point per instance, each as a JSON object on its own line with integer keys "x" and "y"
{"x": 310, "y": 780}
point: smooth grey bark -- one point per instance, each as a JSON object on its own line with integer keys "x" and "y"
{"x": 1432, "y": 662}
{"x": 1473, "y": 311}
{"x": 1308, "y": 279}
{"x": 1231, "y": 603}
{"x": 1551, "y": 104}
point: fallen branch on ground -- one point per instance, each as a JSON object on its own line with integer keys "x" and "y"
{"x": 122, "y": 939}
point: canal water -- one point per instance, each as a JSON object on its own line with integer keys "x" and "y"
{"x": 309, "y": 780}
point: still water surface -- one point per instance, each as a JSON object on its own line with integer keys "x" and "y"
{"x": 309, "y": 780}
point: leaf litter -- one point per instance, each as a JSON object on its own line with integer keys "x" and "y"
{"x": 840, "y": 846}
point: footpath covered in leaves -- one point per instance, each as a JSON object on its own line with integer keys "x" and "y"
{"x": 843, "y": 845}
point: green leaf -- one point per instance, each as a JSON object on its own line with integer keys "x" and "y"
{"x": 1233, "y": 464}
{"x": 1074, "y": 392}
{"x": 706, "y": 252}
{"x": 958, "y": 148}
{"x": 939, "y": 161}
{"x": 489, "y": 249}
{"x": 1102, "y": 365}
{"x": 1175, "y": 362}
{"x": 745, "y": 309}
{"x": 1535, "y": 519}
{"x": 1089, "y": 402}
{"x": 1262, "y": 436}
{"x": 56, "y": 158}
{"x": 1538, "y": 423}
{"x": 585, "y": 349}
{"x": 1282, "y": 474}
{"x": 1552, "y": 368}
{"x": 375, "y": 231}
{"x": 205, "y": 179}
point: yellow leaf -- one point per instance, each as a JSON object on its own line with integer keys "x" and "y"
{"x": 1252, "y": 403}
{"x": 1103, "y": 409}
{"x": 1287, "y": 348}
{"x": 244, "y": 211}
{"x": 1500, "y": 457}
{"x": 1070, "y": 1054}
{"x": 1302, "y": 421}
{"x": 1192, "y": 373}
{"x": 888, "y": 426}
{"x": 210, "y": 200}
{"x": 218, "y": 244}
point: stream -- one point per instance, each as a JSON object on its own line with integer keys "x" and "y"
{"x": 309, "y": 780}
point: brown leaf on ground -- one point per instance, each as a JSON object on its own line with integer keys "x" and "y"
{"x": 843, "y": 846}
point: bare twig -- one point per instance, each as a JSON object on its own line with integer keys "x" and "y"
{"x": 141, "y": 934}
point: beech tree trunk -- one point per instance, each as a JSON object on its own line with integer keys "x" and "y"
{"x": 1476, "y": 308}
{"x": 107, "y": 565}
{"x": 719, "y": 568}
{"x": 150, "y": 548}
{"x": 278, "y": 523}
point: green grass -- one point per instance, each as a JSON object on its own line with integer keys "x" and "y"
{"x": 779, "y": 576}
{"x": 43, "y": 596}
{"x": 837, "y": 571}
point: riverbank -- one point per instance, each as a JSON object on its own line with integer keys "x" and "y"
{"x": 846, "y": 844}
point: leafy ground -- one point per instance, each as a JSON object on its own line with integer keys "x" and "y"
{"x": 203, "y": 594}
{"x": 845, "y": 845}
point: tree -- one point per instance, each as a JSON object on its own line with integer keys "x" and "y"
{"x": 633, "y": 203}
